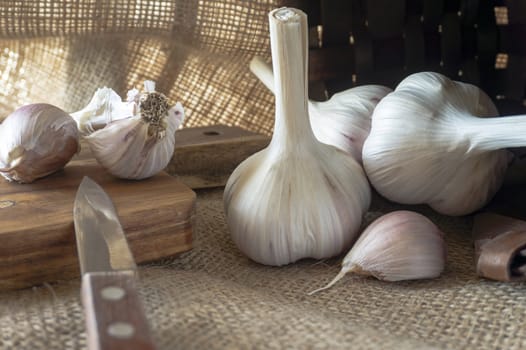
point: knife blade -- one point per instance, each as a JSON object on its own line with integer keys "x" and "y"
{"x": 114, "y": 314}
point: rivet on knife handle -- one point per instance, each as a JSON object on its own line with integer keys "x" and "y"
{"x": 114, "y": 315}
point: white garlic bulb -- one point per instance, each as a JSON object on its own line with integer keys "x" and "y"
{"x": 297, "y": 198}
{"x": 429, "y": 145}
{"x": 344, "y": 120}
{"x": 401, "y": 245}
{"x": 36, "y": 140}
{"x": 137, "y": 138}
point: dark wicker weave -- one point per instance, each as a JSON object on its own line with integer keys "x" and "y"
{"x": 356, "y": 42}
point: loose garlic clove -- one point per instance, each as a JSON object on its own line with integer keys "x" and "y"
{"x": 401, "y": 245}
{"x": 36, "y": 140}
{"x": 297, "y": 198}
{"x": 140, "y": 145}
{"x": 343, "y": 121}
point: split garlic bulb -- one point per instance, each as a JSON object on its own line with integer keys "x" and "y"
{"x": 344, "y": 120}
{"x": 135, "y": 139}
{"x": 428, "y": 145}
{"x": 36, "y": 140}
{"x": 401, "y": 245}
{"x": 297, "y": 198}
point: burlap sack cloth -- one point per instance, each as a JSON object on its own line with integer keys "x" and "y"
{"x": 213, "y": 297}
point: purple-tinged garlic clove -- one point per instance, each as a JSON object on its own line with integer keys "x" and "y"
{"x": 401, "y": 245}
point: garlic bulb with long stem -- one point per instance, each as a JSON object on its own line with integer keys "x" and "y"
{"x": 36, "y": 140}
{"x": 140, "y": 144}
{"x": 401, "y": 245}
{"x": 344, "y": 120}
{"x": 429, "y": 144}
{"x": 297, "y": 198}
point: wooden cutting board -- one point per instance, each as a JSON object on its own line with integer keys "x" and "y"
{"x": 205, "y": 157}
{"x": 37, "y": 240}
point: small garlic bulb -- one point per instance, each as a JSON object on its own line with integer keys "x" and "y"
{"x": 401, "y": 245}
{"x": 344, "y": 120}
{"x": 36, "y": 140}
{"x": 132, "y": 139}
{"x": 297, "y": 198}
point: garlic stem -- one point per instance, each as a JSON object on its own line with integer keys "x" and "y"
{"x": 263, "y": 71}
{"x": 289, "y": 41}
{"x": 490, "y": 134}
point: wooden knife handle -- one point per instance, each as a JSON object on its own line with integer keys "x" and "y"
{"x": 114, "y": 315}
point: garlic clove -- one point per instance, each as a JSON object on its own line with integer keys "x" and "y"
{"x": 401, "y": 245}
{"x": 141, "y": 145}
{"x": 344, "y": 121}
{"x": 36, "y": 140}
{"x": 104, "y": 107}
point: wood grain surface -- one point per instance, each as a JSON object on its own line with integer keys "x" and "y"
{"x": 37, "y": 234}
{"x": 205, "y": 157}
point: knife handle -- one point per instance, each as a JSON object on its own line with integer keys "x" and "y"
{"x": 114, "y": 315}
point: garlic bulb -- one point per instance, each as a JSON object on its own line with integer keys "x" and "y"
{"x": 137, "y": 137}
{"x": 401, "y": 245}
{"x": 343, "y": 121}
{"x": 36, "y": 140}
{"x": 297, "y": 198}
{"x": 428, "y": 145}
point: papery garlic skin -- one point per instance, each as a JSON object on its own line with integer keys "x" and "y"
{"x": 298, "y": 198}
{"x": 104, "y": 107}
{"x": 141, "y": 145}
{"x": 425, "y": 145}
{"x": 343, "y": 121}
{"x": 36, "y": 140}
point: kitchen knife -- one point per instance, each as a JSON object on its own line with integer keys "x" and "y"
{"x": 114, "y": 315}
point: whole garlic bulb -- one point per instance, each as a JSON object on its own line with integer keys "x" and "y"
{"x": 431, "y": 143}
{"x": 344, "y": 120}
{"x": 297, "y": 198}
{"x": 136, "y": 139}
{"x": 36, "y": 140}
{"x": 401, "y": 245}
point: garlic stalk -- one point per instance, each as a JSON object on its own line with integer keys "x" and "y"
{"x": 36, "y": 140}
{"x": 401, "y": 245}
{"x": 297, "y": 198}
{"x": 430, "y": 143}
{"x": 344, "y": 120}
{"x": 132, "y": 139}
